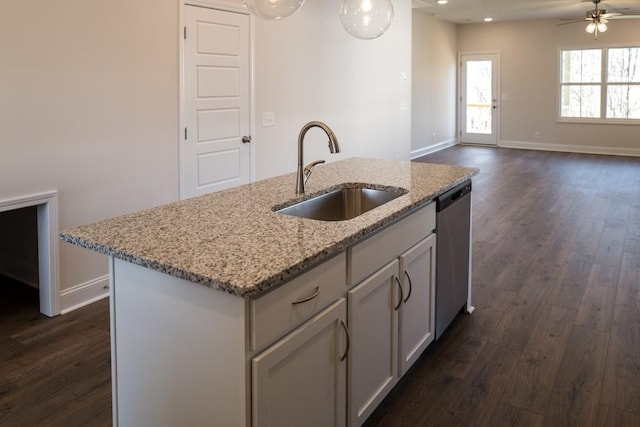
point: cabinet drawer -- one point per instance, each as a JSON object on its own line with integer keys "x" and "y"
{"x": 377, "y": 250}
{"x": 288, "y": 306}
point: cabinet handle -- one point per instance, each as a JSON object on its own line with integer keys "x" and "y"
{"x": 316, "y": 292}
{"x": 410, "y": 286}
{"x": 401, "y": 297}
{"x": 346, "y": 332}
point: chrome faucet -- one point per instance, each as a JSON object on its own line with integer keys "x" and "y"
{"x": 304, "y": 173}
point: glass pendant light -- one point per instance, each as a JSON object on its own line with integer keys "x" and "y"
{"x": 366, "y": 19}
{"x": 591, "y": 27}
{"x": 272, "y": 9}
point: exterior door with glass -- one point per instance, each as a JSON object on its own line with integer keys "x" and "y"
{"x": 479, "y": 99}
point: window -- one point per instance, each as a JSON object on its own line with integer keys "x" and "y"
{"x": 623, "y": 83}
{"x": 600, "y": 84}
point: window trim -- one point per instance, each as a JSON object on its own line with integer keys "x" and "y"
{"x": 604, "y": 48}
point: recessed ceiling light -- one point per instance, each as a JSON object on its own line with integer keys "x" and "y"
{"x": 443, "y": 1}
{"x": 488, "y": 19}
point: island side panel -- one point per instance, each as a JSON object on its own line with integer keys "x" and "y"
{"x": 469, "y": 308}
{"x": 178, "y": 351}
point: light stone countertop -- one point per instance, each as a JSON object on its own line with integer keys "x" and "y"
{"x": 233, "y": 241}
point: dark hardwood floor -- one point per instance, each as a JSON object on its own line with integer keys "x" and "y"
{"x": 53, "y": 371}
{"x": 554, "y": 340}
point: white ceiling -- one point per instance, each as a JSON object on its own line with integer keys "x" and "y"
{"x": 466, "y": 11}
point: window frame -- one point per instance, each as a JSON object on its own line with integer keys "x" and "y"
{"x": 604, "y": 84}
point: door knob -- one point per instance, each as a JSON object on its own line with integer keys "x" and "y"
{"x": 246, "y": 139}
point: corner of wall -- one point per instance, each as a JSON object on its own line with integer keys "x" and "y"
{"x": 432, "y": 149}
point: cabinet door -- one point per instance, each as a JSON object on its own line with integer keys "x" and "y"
{"x": 373, "y": 324}
{"x": 301, "y": 379}
{"x": 417, "y": 313}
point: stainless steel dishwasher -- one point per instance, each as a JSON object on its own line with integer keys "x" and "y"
{"x": 453, "y": 227}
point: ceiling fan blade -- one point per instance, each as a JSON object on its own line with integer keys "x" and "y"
{"x": 610, "y": 15}
{"x": 571, "y": 22}
{"x": 624, "y": 17}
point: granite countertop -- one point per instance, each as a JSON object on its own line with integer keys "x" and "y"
{"x": 232, "y": 240}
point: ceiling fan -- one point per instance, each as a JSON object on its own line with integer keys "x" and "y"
{"x": 598, "y": 18}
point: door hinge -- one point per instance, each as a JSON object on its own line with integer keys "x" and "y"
{"x": 185, "y": 134}
{"x": 185, "y": 32}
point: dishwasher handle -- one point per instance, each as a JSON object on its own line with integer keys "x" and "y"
{"x": 450, "y": 197}
{"x": 457, "y": 195}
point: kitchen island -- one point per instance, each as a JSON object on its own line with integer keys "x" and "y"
{"x": 225, "y": 312}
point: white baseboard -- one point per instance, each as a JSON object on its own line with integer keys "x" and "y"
{"x": 432, "y": 149}
{"x": 84, "y": 294}
{"x": 567, "y": 148}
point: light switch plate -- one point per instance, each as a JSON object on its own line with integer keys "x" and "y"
{"x": 268, "y": 119}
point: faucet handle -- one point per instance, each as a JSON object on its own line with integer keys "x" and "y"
{"x": 309, "y": 168}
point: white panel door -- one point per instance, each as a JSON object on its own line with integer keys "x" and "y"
{"x": 479, "y": 99}
{"x": 214, "y": 154}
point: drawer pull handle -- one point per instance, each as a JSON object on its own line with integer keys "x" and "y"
{"x": 401, "y": 297}
{"x": 410, "y": 286}
{"x": 316, "y": 292}
{"x": 346, "y": 331}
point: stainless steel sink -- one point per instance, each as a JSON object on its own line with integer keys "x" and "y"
{"x": 342, "y": 204}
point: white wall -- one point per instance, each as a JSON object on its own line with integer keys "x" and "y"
{"x": 529, "y": 78}
{"x": 88, "y": 106}
{"x": 433, "y": 99}
{"x": 308, "y": 68}
{"x": 89, "y": 102}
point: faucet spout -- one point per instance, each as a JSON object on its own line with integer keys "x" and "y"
{"x": 334, "y": 147}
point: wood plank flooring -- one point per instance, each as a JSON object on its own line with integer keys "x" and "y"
{"x": 53, "y": 371}
{"x": 554, "y": 340}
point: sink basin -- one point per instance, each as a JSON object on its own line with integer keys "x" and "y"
{"x": 342, "y": 204}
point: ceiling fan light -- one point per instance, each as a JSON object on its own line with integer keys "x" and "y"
{"x": 591, "y": 27}
{"x": 602, "y": 27}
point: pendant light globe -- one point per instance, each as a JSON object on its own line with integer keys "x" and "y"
{"x": 272, "y": 9}
{"x": 366, "y": 19}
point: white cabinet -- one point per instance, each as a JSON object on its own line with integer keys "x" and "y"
{"x": 391, "y": 312}
{"x": 286, "y": 307}
{"x": 373, "y": 360}
{"x": 301, "y": 379}
{"x": 183, "y": 354}
{"x": 321, "y": 350}
{"x": 417, "y": 312}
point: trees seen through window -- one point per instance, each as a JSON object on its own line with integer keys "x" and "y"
{"x": 600, "y": 83}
